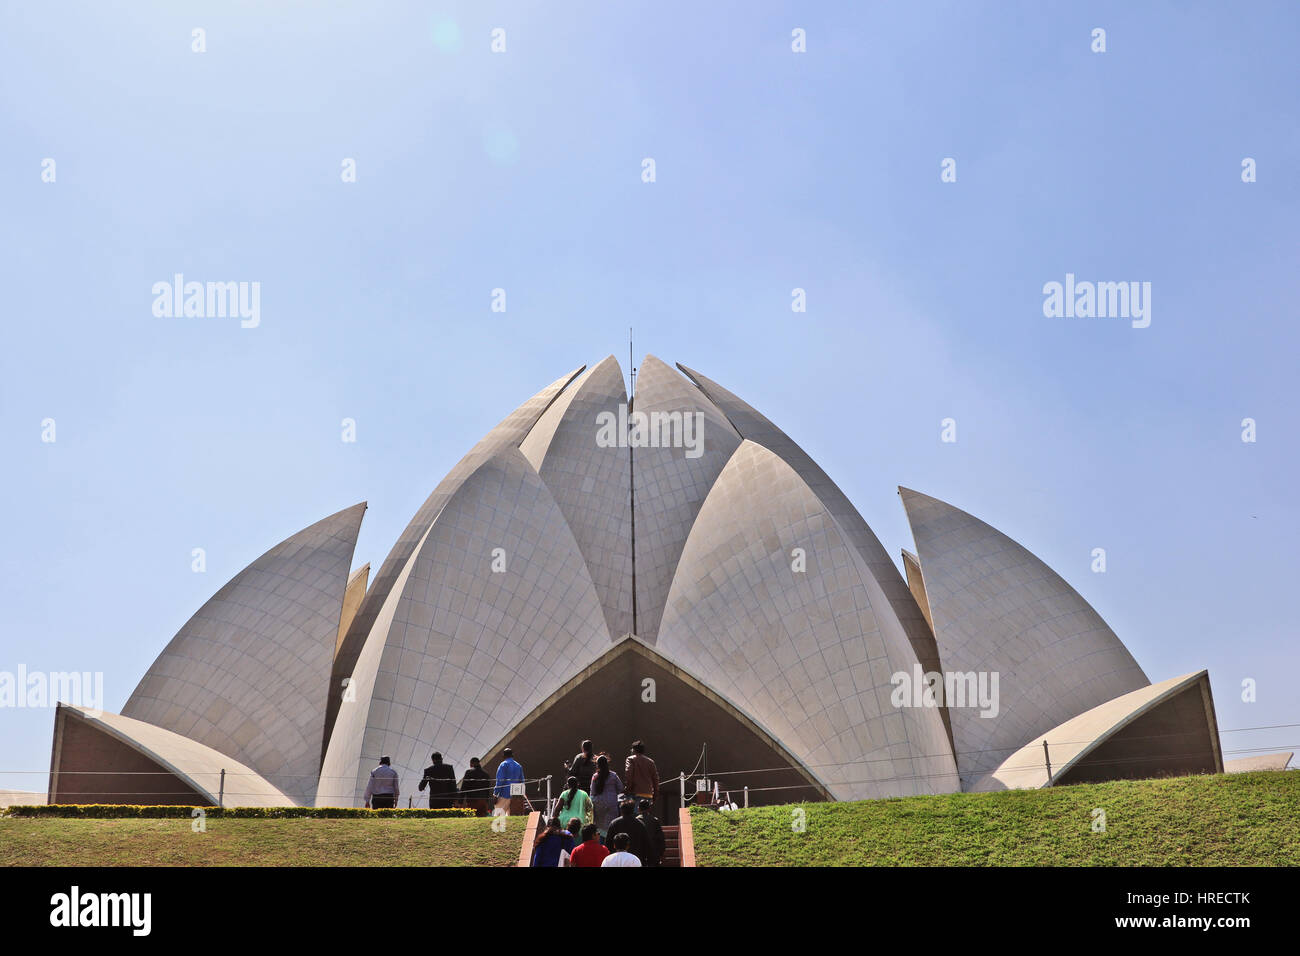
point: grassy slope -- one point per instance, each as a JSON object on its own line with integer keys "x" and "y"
{"x": 1242, "y": 819}
{"x": 37, "y": 842}
{"x": 1234, "y": 820}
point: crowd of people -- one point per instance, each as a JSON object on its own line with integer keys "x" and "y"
{"x": 383, "y": 790}
{"x": 596, "y": 820}
{"x": 600, "y": 818}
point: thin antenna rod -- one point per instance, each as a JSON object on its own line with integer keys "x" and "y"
{"x": 631, "y": 476}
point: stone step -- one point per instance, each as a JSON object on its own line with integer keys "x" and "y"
{"x": 672, "y": 846}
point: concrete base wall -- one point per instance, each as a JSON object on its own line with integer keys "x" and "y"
{"x": 92, "y": 767}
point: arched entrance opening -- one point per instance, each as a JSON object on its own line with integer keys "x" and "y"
{"x": 632, "y": 693}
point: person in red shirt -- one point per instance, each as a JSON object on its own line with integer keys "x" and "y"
{"x": 591, "y": 852}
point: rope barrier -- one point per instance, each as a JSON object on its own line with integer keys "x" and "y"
{"x": 671, "y": 783}
{"x": 489, "y": 784}
{"x": 538, "y": 780}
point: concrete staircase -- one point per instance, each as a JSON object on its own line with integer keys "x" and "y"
{"x": 679, "y": 841}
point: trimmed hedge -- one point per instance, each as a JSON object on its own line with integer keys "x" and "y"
{"x": 109, "y": 811}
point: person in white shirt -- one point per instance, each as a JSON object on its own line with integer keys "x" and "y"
{"x": 620, "y": 856}
{"x": 381, "y": 790}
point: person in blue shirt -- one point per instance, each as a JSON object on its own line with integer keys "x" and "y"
{"x": 508, "y": 772}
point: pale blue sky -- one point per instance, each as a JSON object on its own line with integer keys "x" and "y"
{"x": 775, "y": 170}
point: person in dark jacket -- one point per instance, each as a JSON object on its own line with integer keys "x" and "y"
{"x": 583, "y": 765}
{"x": 637, "y": 834}
{"x": 657, "y": 843}
{"x": 441, "y": 781}
{"x": 476, "y": 788}
{"x": 551, "y": 844}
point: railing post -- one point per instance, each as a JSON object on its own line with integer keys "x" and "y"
{"x": 1047, "y": 757}
{"x": 221, "y": 790}
{"x": 746, "y": 797}
{"x": 682, "y": 778}
{"x": 548, "y": 795}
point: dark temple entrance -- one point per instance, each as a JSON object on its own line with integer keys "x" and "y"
{"x": 606, "y": 704}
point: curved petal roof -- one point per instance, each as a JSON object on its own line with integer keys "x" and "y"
{"x": 671, "y": 482}
{"x": 998, "y": 609}
{"x": 247, "y": 674}
{"x": 509, "y": 432}
{"x": 195, "y": 764}
{"x": 341, "y": 777}
{"x": 469, "y": 651}
{"x": 1278, "y": 761}
{"x": 808, "y": 655}
{"x": 591, "y": 484}
{"x": 753, "y": 425}
{"x": 1073, "y": 741}
{"x": 717, "y": 556}
{"x": 353, "y": 595}
{"x": 912, "y": 566}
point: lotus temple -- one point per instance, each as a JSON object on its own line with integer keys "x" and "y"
{"x": 671, "y": 568}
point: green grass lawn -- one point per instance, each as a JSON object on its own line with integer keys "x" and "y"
{"x": 1234, "y": 820}
{"x": 63, "y": 842}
